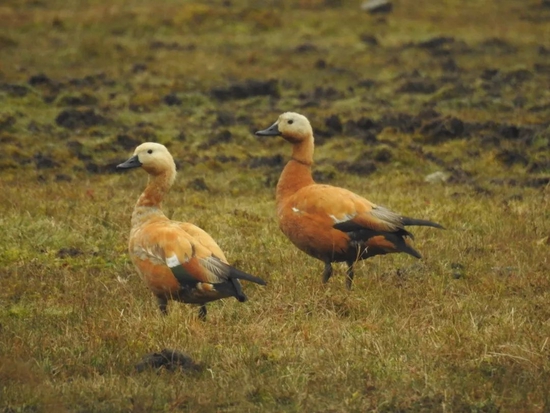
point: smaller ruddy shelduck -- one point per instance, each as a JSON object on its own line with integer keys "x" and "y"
{"x": 329, "y": 223}
{"x": 178, "y": 261}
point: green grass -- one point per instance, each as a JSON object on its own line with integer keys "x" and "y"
{"x": 465, "y": 329}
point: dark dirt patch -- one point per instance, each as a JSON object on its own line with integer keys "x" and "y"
{"x": 511, "y": 157}
{"x": 106, "y": 168}
{"x": 275, "y": 161}
{"x": 369, "y": 39}
{"x": 224, "y": 118}
{"x": 382, "y": 154}
{"x": 39, "y": 80}
{"x": 69, "y": 252}
{"x": 42, "y": 161}
{"x": 418, "y": 86}
{"x": 7, "y": 121}
{"x": 323, "y": 176}
{"x": 160, "y": 45}
{"x": 327, "y": 93}
{"x": 441, "y": 46}
{"x": 75, "y": 119}
{"x": 436, "y": 42}
{"x": 127, "y": 141}
{"x": 403, "y": 122}
{"x": 538, "y": 182}
{"x": 441, "y": 129}
{"x": 364, "y": 129}
{"x": 170, "y": 360}
{"x": 496, "y": 46}
{"x": 172, "y": 99}
{"x": 198, "y": 184}
{"x": 91, "y": 81}
{"x": 83, "y": 99}
{"x": 306, "y": 48}
{"x": 143, "y": 132}
{"x": 17, "y": 91}
{"x": 361, "y": 167}
{"x": 225, "y": 158}
{"x": 539, "y": 167}
{"x": 334, "y": 124}
{"x": 63, "y": 178}
{"x": 247, "y": 89}
{"x": 139, "y": 68}
{"x": 223, "y": 136}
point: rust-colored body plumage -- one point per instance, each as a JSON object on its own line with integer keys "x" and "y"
{"x": 329, "y": 223}
{"x": 178, "y": 261}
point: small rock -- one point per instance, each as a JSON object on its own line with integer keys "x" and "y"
{"x": 436, "y": 177}
{"x": 377, "y": 6}
{"x": 458, "y": 270}
{"x": 171, "y": 360}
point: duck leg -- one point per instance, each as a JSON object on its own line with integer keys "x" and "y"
{"x": 349, "y": 274}
{"x": 202, "y": 313}
{"x": 162, "y": 302}
{"x": 327, "y": 272}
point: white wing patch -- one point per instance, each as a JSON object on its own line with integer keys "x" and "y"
{"x": 345, "y": 218}
{"x": 173, "y": 261}
{"x": 296, "y": 210}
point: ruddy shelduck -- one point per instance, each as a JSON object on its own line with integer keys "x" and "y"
{"x": 178, "y": 261}
{"x": 329, "y": 223}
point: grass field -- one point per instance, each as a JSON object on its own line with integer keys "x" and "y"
{"x": 456, "y": 86}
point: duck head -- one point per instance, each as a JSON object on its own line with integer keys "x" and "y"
{"x": 293, "y": 127}
{"x": 153, "y": 157}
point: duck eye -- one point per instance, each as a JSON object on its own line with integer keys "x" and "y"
{"x": 150, "y": 151}
{"x": 290, "y": 122}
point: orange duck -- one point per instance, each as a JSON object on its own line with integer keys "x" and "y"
{"x": 178, "y": 261}
{"x": 329, "y": 223}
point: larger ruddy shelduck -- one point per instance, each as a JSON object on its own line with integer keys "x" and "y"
{"x": 178, "y": 261}
{"x": 329, "y": 223}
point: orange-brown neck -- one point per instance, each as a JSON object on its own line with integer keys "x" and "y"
{"x": 151, "y": 199}
{"x": 297, "y": 172}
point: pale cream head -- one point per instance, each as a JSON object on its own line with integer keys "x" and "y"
{"x": 155, "y": 158}
{"x": 293, "y": 127}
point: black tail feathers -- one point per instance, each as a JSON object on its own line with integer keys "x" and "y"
{"x": 420, "y": 223}
{"x": 241, "y": 275}
{"x": 235, "y": 275}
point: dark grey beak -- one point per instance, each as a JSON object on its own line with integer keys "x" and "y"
{"x": 273, "y": 130}
{"x": 133, "y": 162}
